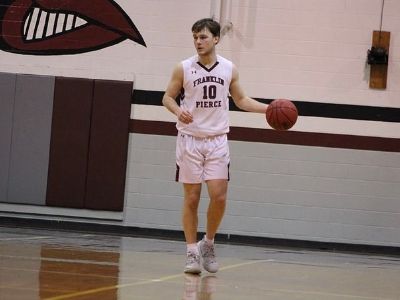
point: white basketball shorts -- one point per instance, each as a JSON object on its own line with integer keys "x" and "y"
{"x": 201, "y": 159}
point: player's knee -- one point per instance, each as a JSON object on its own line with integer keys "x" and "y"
{"x": 192, "y": 202}
{"x": 219, "y": 199}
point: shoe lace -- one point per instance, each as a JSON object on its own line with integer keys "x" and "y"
{"x": 192, "y": 257}
{"x": 209, "y": 252}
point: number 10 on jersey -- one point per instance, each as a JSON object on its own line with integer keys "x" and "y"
{"x": 209, "y": 92}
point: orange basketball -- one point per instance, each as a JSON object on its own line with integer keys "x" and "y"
{"x": 281, "y": 114}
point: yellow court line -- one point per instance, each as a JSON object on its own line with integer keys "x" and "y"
{"x": 161, "y": 279}
{"x": 165, "y": 278}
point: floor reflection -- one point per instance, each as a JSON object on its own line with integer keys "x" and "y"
{"x": 72, "y": 270}
{"x": 199, "y": 288}
{"x": 55, "y": 265}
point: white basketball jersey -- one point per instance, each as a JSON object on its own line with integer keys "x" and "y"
{"x": 205, "y": 95}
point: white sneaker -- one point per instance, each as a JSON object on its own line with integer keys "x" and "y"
{"x": 192, "y": 263}
{"x": 207, "y": 253}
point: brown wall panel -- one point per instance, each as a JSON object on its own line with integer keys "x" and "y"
{"x": 70, "y": 133}
{"x": 108, "y": 145}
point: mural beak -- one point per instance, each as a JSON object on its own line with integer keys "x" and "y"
{"x": 51, "y": 27}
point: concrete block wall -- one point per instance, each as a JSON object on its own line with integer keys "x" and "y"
{"x": 309, "y": 51}
{"x": 280, "y": 191}
{"x": 295, "y": 192}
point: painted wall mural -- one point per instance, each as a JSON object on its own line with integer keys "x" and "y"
{"x": 56, "y": 27}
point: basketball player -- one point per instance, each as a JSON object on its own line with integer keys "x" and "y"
{"x": 204, "y": 82}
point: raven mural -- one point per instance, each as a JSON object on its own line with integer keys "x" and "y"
{"x": 56, "y": 27}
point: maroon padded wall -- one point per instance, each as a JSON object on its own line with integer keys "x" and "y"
{"x": 108, "y": 145}
{"x": 89, "y": 144}
{"x": 72, "y": 107}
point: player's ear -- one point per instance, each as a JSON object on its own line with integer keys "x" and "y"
{"x": 216, "y": 39}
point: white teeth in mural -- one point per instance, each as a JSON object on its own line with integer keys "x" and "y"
{"x": 41, "y": 24}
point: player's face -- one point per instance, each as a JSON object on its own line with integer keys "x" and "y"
{"x": 204, "y": 41}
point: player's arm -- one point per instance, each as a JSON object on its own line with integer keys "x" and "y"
{"x": 173, "y": 89}
{"x": 239, "y": 97}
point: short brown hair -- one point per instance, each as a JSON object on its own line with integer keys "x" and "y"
{"x": 210, "y": 24}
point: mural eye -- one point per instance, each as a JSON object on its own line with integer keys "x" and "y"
{"x": 40, "y": 24}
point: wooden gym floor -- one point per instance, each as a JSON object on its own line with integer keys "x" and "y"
{"x": 50, "y": 264}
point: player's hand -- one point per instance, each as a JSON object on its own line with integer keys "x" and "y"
{"x": 185, "y": 117}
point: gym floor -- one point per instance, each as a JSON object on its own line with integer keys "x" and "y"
{"x": 51, "y": 264}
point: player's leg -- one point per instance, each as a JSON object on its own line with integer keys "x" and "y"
{"x": 217, "y": 191}
{"x": 216, "y": 175}
{"x": 189, "y": 170}
{"x": 190, "y": 223}
{"x": 189, "y": 212}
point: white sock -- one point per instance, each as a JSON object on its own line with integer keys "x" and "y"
{"x": 192, "y": 248}
{"x": 208, "y": 241}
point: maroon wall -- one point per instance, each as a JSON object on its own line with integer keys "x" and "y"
{"x": 89, "y": 143}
